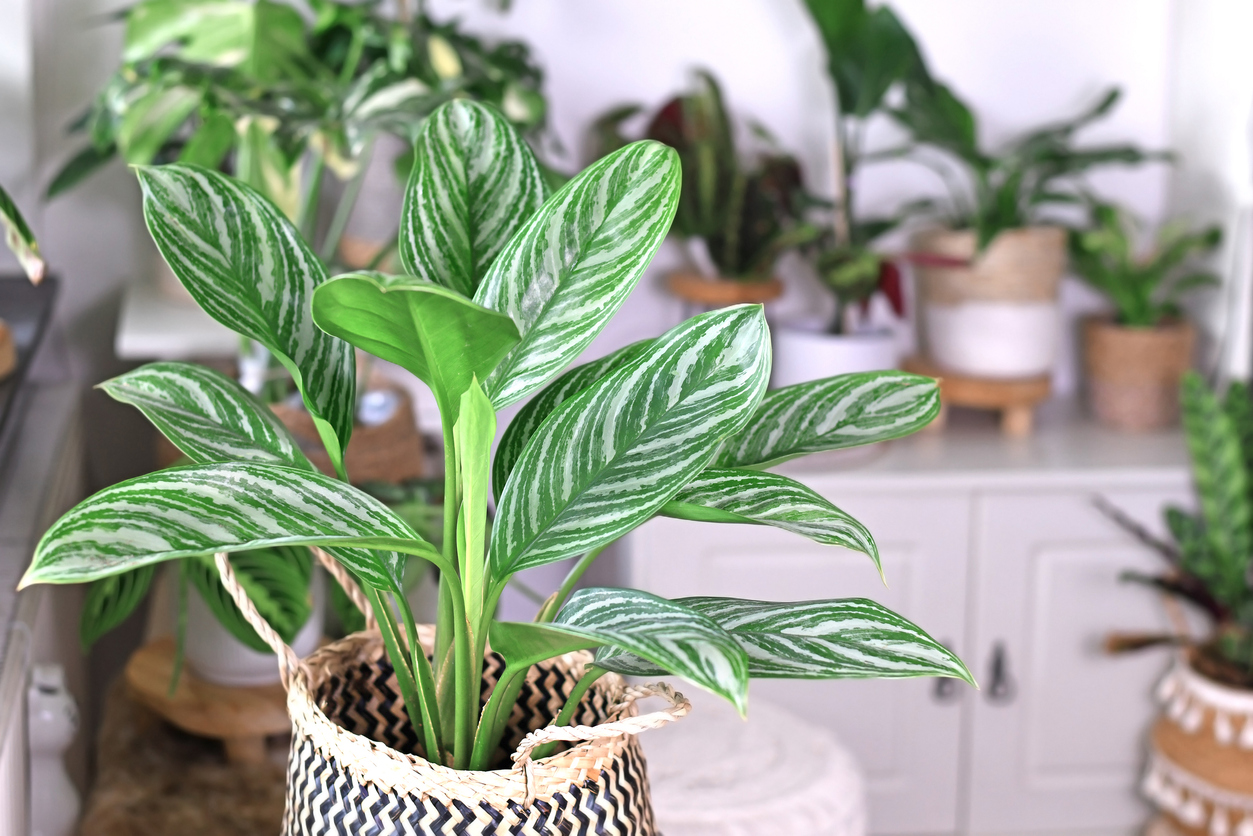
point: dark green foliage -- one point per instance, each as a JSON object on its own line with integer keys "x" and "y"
{"x": 110, "y": 601}
{"x": 277, "y": 582}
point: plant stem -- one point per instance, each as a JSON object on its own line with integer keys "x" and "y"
{"x": 343, "y": 211}
{"x": 567, "y": 711}
{"x": 404, "y": 676}
{"x": 425, "y": 677}
{"x": 503, "y": 694}
{"x": 308, "y": 221}
{"x": 554, "y": 604}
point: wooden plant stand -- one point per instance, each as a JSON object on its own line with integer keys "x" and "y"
{"x": 241, "y": 718}
{"x": 1015, "y": 398}
{"x": 717, "y": 293}
{"x": 8, "y": 351}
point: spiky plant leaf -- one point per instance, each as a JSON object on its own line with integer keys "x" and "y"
{"x": 853, "y": 638}
{"x": 832, "y": 414}
{"x": 613, "y": 455}
{"x": 564, "y": 275}
{"x": 474, "y": 183}
{"x": 530, "y": 416}
{"x": 203, "y": 509}
{"x": 440, "y": 336}
{"x": 20, "y": 240}
{"x": 277, "y": 582}
{"x": 110, "y": 601}
{"x": 249, "y": 268}
{"x": 750, "y": 496}
{"x": 208, "y": 416}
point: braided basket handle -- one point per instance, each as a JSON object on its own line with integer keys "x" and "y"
{"x": 288, "y": 663}
{"x": 349, "y": 585}
{"x": 679, "y": 707}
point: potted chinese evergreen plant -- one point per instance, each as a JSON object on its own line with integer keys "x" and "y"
{"x": 735, "y": 216}
{"x": 1136, "y": 358}
{"x": 1200, "y": 770}
{"x": 869, "y": 52}
{"x": 505, "y": 285}
{"x": 988, "y": 283}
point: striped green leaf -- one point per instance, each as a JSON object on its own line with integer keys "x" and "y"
{"x": 669, "y": 636}
{"x": 203, "y": 509}
{"x": 612, "y": 456}
{"x": 473, "y": 185}
{"x": 564, "y": 275}
{"x": 208, "y": 416}
{"x": 851, "y": 638}
{"x": 530, "y": 416}
{"x": 750, "y": 496}
{"x": 277, "y": 582}
{"x": 832, "y": 414}
{"x": 437, "y": 334}
{"x": 20, "y": 240}
{"x": 110, "y": 601}
{"x": 249, "y": 269}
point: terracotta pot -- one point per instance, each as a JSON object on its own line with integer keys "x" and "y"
{"x": 388, "y": 452}
{"x": 998, "y": 317}
{"x": 1133, "y": 373}
{"x": 718, "y": 293}
{"x": 1200, "y": 771}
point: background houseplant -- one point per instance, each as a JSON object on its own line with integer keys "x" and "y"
{"x": 997, "y": 316}
{"x": 1136, "y": 358}
{"x": 1202, "y": 747}
{"x": 679, "y": 425}
{"x": 736, "y": 214}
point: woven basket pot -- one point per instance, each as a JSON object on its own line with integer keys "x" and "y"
{"x": 349, "y": 771}
{"x": 997, "y": 317}
{"x": 1133, "y": 374}
{"x": 1200, "y": 771}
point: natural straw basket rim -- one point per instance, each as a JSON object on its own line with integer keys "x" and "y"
{"x": 383, "y": 766}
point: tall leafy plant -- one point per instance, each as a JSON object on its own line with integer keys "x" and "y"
{"x": 1144, "y": 287}
{"x": 504, "y": 286}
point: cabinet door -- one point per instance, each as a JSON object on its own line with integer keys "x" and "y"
{"x": 1058, "y": 737}
{"x": 904, "y": 733}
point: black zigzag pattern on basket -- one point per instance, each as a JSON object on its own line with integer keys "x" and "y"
{"x": 326, "y": 800}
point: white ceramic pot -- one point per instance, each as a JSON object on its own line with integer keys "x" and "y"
{"x": 218, "y": 657}
{"x": 994, "y": 339}
{"x": 804, "y": 352}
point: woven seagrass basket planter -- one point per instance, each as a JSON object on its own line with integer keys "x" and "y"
{"x": 1200, "y": 771}
{"x": 351, "y": 771}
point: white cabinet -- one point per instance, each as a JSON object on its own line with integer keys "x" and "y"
{"x": 994, "y": 547}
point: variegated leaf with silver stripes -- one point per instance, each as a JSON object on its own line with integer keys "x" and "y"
{"x": 530, "y": 416}
{"x": 208, "y": 416}
{"x": 831, "y": 414}
{"x": 248, "y": 267}
{"x": 751, "y": 496}
{"x": 569, "y": 269}
{"x": 673, "y": 638}
{"x": 474, "y": 183}
{"x": 613, "y": 455}
{"x": 203, "y": 509}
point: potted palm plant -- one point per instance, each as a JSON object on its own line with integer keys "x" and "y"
{"x": 1200, "y": 770}
{"x": 1136, "y": 358}
{"x": 390, "y": 722}
{"x": 736, "y": 216}
{"x": 988, "y": 281}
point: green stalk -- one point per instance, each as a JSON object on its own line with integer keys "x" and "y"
{"x": 550, "y": 609}
{"x": 491, "y": 728}
{"x": 445, "y": 691}
{"x": 180, "y": 629}
{"x": 343, "y": 211}
{"x": 404, "y": 676}
{"x": 567, "y": 711}
{"x": 353, "y": 59}
{"x": 308, "y": 221}
{"x": 425, "y": 676}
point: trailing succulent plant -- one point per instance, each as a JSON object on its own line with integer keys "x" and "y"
{"x": 504, "y": 286}
{"x": 1210, "y": 555}
{"x": 1144, "y": 287}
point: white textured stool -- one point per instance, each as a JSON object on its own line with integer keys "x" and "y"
{"x": 717, "y": 775}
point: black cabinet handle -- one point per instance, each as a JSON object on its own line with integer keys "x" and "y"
{"x": 945, "y": 691}
{"x": 1001, "y": 686}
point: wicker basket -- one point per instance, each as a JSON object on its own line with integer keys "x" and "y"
{"x": 349, "y": 773}
{"x": 1134, "y": 373}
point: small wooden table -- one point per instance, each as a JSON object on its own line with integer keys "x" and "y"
{"x": 1015, "y": 398}
{"x": 242, "y": 718}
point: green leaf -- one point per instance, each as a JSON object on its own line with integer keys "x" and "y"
{"x": 20, "y": 239}
{"x": 211, "y": 142}
{"x": 276, "y": 581}
{"x": 670, "y": 637}
{"x": 564, "y": 275}
{"x": 152, "y": 119}
{"x": 474, "y": 432}
{"x": 110, "y": 601}
{"x": 81, "y": 166}
{"x": 832, "y": 414}
{"x": 530, "y": 416}
{"x": 208, "y": 416}
{"x": 474, "y": 183}
{"x": 203, "y": 509}
{"x": 749, "y": 496}
{"x": 852, "y": 638}
{"x": 437, "y": 334}
{"x": 249, "y": 268}
{"x": 612, "y": 456}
